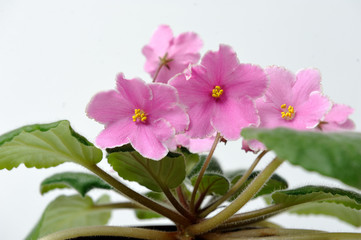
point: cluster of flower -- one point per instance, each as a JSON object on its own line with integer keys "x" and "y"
{"x": 187, "y": 104}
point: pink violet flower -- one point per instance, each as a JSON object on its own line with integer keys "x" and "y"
{"x": 145, "y": 115}
{"x": 194, "y": 145}
{"x": 220, "y": 94}
{"x": 293, "y": 101}
{"x": 337, "y": 119}
{"x": 175, "y": 53}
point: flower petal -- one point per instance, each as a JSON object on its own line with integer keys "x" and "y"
{"x": 233, "y": 115}
{"x": 160, "y": 40}
{"x": 107, "y": 107}
{"x": 116, "y": 133}
{"x": 200, "y": 120}
{"x": 184, "y": 46}
{"x": 307, "y": 81}
{"x": 135, "y": 91}
{"x": 149, "y": 139}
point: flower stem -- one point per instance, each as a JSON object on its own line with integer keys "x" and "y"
{"x": 128, "y": 205}
{"x": 148, "y": 203}
{"x": 181, "y": 197}
{"x": 140, "y": 233}
{"x": 234, "y": 188}
{"x": 238, "y": 203}
{"x": 201, "y": 173}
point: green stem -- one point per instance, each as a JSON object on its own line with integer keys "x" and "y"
{"x": 238, "y": 203}
{"x": 234, "y": 188}
{"x": 129, "y": 205}
{"x": 140, "y": 233}
{"x": 204, "y": 168}
{"x": 148, "y": 203}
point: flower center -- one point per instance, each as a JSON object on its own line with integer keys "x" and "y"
{"x": 217, "y": 92}
{"x": 290, "y": 114}
{"x": 139, "y": 115}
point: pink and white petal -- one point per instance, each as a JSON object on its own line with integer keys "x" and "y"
{"x": 108, "y": 107}
{"x": 149, "y": 139}
{"x": 164, "y": 96}
{"x": 246, "y": 80}
{"x": 311, "y": 112}
{"x": 232, "y": 115}
{"x": 339, "y": 113}
{"x": 178, "y": 118}
{"x": 191, "y": 91}
{"x": 135, "y": 91}
{"x": 307, "y": 81}
{"x": 152, "y": 60}
{"x": 200, "y": 120}
{"x": 280, "y": 85}
{"x": 252, "y": 146}
{"x": 185, "y": 43}
{"x": 199, "y": 145}
{"x": 167, "y": 73}
{"x": 161, "y": 39}
{"x": 116, "y": 133}
{"x": 219, "y": 64}
{"x": 270, "y": 116}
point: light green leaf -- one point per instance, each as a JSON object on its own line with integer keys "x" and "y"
{"x": 130, "y": 165}
{"x": 82, "y": 182}
{"x": 46, "y": 145}
{"x": 148, "y": 214}
{"x": 273, "y": 184}
{"x": 212, "y": 184}
{"x": 336, "y": 154}
{"x": 343, "y": 204}
{"x": 69, "y": 212}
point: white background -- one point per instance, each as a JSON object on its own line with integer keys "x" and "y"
{"x": 55, "y": 55}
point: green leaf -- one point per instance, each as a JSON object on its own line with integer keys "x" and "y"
{"x": 212, "y": 184}
{"x": 148, "y": 214}
{"x": 213, "y": 167}
{"x": 336, "y": 154}
{"x": 167, "y": 172}
{"x": 343, "y": 204}
{"x": 273, "y": 184}
{"x": 191, "y": 159}
{"x": 81, "y": 182}
{"x": 69, "y": 212}
{"x": 46, "y": 145}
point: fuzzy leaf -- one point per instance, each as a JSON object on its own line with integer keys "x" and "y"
{"x": 213, "y": 167}
{"x": 191, "y": 159}
{"x": 343, "y": 204}
{"x": 81, "y": 182}
{"x": 273, "y": 184}
{"x": 130, "y": 165}
{"x": 148, "y": 214}
{"x": 69, "y": 212}
{"x": 46, "y": 145}
{"x": 212, "y": 183}
{"x": 336, "y": 154}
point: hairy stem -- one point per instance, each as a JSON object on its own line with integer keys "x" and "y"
{"x": 234, "y": 188}
{"x": 120, "y": 205}
{"x": 238, "y": 203}
{"x": 140, "y": 233}
{"x": 148, "y": 203}
{"x": 204, "y": 168}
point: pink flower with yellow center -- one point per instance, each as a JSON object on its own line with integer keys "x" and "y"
{"x": 293, "y": 101}
{"x": 173, "y": 53}
{"x": 220, "y": 94}
{"x": 145, "y": 115}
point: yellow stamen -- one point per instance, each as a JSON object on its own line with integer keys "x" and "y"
{"x": 139, "y": 115}
{"x": 290, "y": 114}
{"x": 217, "y": 92}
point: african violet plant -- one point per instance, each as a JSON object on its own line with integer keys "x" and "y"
{"x": 154, "y": 131}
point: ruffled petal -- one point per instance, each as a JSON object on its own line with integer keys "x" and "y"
{"x": 161, "y": 40}
{"x": 135, "y": 91}
{"x": 280, "y": 85}
{"x": 307, "y": 81}
{"x": 116, "y": 134}
{"x": 200, "y": 120}
{"x": 246, "y": 80}
{"x": 185, "y": 44}
{"x": 149, "y": 139}
{"x": 339, "y": 113}
{"x": 233, "y": 115}
{"x": 108, "y": 107}
{"x": 270, "y": 116}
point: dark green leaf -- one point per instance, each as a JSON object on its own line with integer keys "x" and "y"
{"x": 191, "y": 159}
{"x": 343, "y": 204}
{"x": 46, "y": 145}
{"x": 148, "y": 214}
{"x": 212, "y": 184}
{"x": 82, "y": 182}
{"x": 130, "y": 165}
{"x": 213, "y": 167}
{"x": 336, "y": 154}
{"x": 69, "y": 212}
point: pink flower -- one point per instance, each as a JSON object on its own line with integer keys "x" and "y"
{"x": 175, "y": 53}
{"x": 292, "y": 101}
{"x": 219, "y": 94}
{"x": 337, "y": 119}
{"x": 145, "y": 115}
